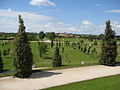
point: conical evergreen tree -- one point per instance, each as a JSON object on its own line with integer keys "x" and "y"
{"x": 57, "y": 61}
{"x": 1, "y": 63}
{"x": 23, "y": 59}
{"x": 109, "y": 47}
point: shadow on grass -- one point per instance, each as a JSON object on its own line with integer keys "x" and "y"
{"x": 117, "y": 64}
{"x": 64, "y": 65}
{"x": 6, "y": 71}
{"x": 42, "y": 74}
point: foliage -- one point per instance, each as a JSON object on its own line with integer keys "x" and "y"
{"x": 23, "y": 59}
{"x": 57, "y": 61}
{"x": 43, "y": 48}
{"x": 89, "y": 49}
{"x": 100, "y": 37}
{"x": 109, "y": 47}
{"x": 32, "y": 36}
{"x": 85, "y": 49}
{"x": 95, "y": 42}
{"x": 1, "y": 63}
{"x": 5, "y": 52}
{"x": 94, "y": 51}
{"x": 41, "y": 35}
{"x": 51, "y": 36}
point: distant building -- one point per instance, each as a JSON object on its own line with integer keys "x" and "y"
{"x": 64, "y": 35}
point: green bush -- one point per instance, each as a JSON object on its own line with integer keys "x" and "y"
{"x": 43, "y": 48}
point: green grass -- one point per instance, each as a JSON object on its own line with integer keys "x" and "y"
{"x": 106, "y": 83}
{"x": 70, "y": 58}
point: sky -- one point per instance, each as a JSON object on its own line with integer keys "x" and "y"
{"x": 71, "y": 16}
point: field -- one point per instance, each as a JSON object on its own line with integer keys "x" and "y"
{"x": 106, "y": 83}
{"x": 71, "y": 57}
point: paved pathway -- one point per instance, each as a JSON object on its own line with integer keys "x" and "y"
{"x": 40, "y": 80}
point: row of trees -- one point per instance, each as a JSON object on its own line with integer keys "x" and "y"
{"x": 50, "y": 36}
{"x": 23, "y": 58}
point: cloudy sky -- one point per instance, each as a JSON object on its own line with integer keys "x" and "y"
{"x": 72, "y": 16}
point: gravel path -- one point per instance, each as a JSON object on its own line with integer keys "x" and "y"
{"x": 40, "y": 80}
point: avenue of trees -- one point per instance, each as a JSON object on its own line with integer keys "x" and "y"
{"x": 23, "y": 58}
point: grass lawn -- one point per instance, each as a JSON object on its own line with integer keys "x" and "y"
{"x": 70, "y": 58}
{"x": 106, "y": 83}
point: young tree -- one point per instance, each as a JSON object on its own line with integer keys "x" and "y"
{"x": 43, "y": 48}
{"x": 85, "y": 49}
{"x": 89, "y": 49}
{"x": 5, "y": 52}
{"x": 41, "y": 35}
{"x": 1, "y": 63}
{"x": 101, "y": 36}
{"x": 23, "y": 59}
{"x": 57, "y": 61}
{"x": 95, "y": 43}
{"x": 109, "y": 47}
{"x": 51, "y": 36}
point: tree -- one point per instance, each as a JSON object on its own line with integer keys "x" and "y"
{"x": 5, "y": 52}
{"x": 109, "y": 47}
{"x": 101, "y": 36}
{"x": 95, "y": 43}
{"x": 43, "y": 48}
{"x": 57, "y": 61}
{"x": 23, "y": 59}
{"x": 51, "y": 37}
{"x": 1, "y": 63}
{"x": 41, "y": 35}
{"x": 85, "y": 49}
{"x": 89, "y": 49}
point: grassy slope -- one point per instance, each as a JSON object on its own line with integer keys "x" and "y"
{"x": 70, "y": 57}
{"x": 106, "y": 83}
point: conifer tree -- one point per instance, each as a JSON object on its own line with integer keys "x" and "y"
{"x": 23, "y": 59}
{"x": 85, "y": 49}
{"x": 1, "y": 63}
{"x": 43, "y": 48}
{"x": 109, "y": 47}
{"x": 57, "y": 61}
{"x": 41, "y": 35}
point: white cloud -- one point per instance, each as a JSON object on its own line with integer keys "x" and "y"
{"x": 26, "y": 15}
{"x": 86, "y": 22}
{"x": 116, "y": 24}
{"x": 113, "y": 11}
{"x": 97, "y": 5}
{"x": 9, "y": 9}
{"x": 72, "y": 28}
{"x": 116, "y": 27}
{"x": 37, "y": 23}
{"x": 9, "y": 20}
{"x": 42, "y": 3}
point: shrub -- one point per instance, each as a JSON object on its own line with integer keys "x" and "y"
{"x": 43, "y": 48}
